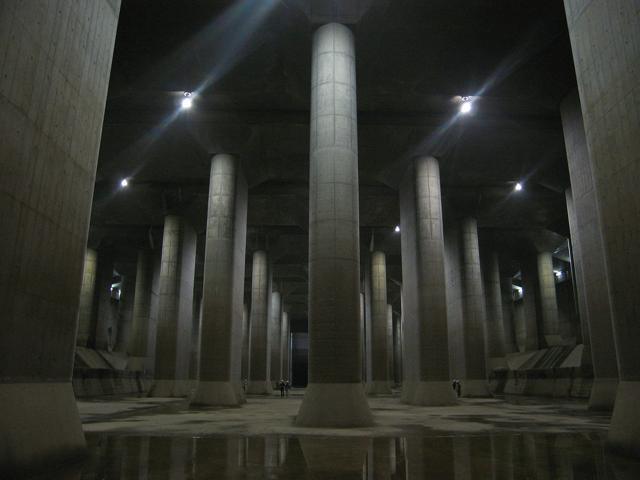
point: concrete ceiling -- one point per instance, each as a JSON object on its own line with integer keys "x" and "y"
{"x": 249, "y": 63}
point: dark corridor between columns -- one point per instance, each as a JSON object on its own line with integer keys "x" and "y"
{"x": 299, "y": 359}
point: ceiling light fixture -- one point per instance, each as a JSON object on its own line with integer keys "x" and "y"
{"x": 187, "y": 101}
{"x": 465, "y": 106}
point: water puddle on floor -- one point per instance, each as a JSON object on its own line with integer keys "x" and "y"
{"x": 499, "y": 456}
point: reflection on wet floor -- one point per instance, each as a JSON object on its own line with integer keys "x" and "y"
{"x": 499, "y": 457}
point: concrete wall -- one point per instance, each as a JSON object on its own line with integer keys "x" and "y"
{"x": 55, "y": 59}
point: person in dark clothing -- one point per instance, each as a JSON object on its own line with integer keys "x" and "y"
{"x": 287, "y": 386}
{"x": 281, "y": 385}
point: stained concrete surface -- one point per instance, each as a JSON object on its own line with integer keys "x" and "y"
{"x": 482, "y": 438}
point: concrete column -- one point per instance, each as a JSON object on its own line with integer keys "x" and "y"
{"x": 259, "y": 368}
{"x": 495, "y": 322}
{"x": 219, "y": 381}
{"x": 175, "y": 309}
{"x": 105, "y": 328}
{"x": 604, "y": 37}
{"x": 475, "y": 315}
{"x": 390, "y": 345}
{"x": 86, "y": 311}
{"x": 424, "y": 308}
{"x": 508, "y": 314}
{"x": 577, "y": 260}
{"x": 125, "y": 313}
{"x": 196, "y": 327}
{"x": 246, "y": 330}
{"x": 379, "y": 383}
{"x": 589, "y": 259}
{"x": 367, "y": 306}
{"x": 397, "y": 351}
{"x": 363, "y": 335}
{"x": 56, "y": 62}
{"x": 453, "y": 277}
{"x": 529, "y": 274}
{"x": 141, "y": 306}
{"x": 548, "y": 300}
{"x": 334, "y": 396}
{"x": 275, "y": 317}
{"x": 285, "y": 335}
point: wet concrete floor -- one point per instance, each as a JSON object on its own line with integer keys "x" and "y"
{"x": 496, "y": 456}
{"x": 480, "y": 439}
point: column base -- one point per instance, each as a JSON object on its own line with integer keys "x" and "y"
{"x": 171, "y": 388}
{"x": 260, "y": 387}
{"x": 603, "y": 394}
{"x": 338, "y": 405}
{"x": 433, "y": 394}
{"x": 474, "y": 388}
{"x": 624, "y": 431}
{"x": 240, "y": 394}
{"x": 216, "y": 394}
{"x": 40, "y": 427}
{"x": 378, "y": 387}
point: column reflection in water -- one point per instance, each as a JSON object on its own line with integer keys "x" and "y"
{"x": 496, "y": 456}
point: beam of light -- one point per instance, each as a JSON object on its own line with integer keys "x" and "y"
{"x": 231, "y": 33}
{"x": 442, "y": 139}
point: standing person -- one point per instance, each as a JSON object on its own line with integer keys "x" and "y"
{"x": 281, "y": 385}
{"x": 287, "y": 386}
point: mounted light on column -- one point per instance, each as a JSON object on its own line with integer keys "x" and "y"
{"x": 397, "y": 229}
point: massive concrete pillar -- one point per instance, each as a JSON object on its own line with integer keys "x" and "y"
{"x": 424, "y": 306}
{"x": 334, "y": 396}
{"x": 577, "y": 274}
{"x": 529, "y": 274}
{"x": 508, "y": 314}
{"x": 367, "y": 325}
{"x": 56, "y": 61}
{"x": 259, "y": 367}
{"x": 275, "y": 318}
{"x": 219, "y": 381}
{"x": 125, "y": 313}
{"x": 175, "y": 309}
{"x": 141, "y": 306}
{"x": 589, "y": 258}
{"x": 475, "y": 315}
{"x": 285, "y": 335}
{"x": 105, "y": 312}
{"x": 495, "y": 321}
{"x": 86, "y": 311}
{"x": 397, "y": 350}
{"x": 548, "y": 301}
{"x": 379, "y": 383}
{"x": 604, "y": 37}
{"x": 390, "y": 344}
{"x": 246, "y": 329}
{"x": 453, "y": 288}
